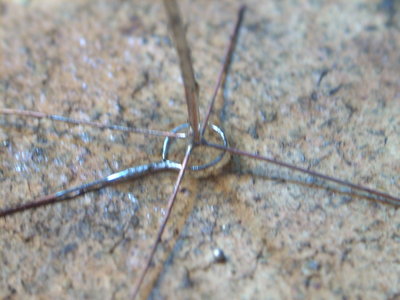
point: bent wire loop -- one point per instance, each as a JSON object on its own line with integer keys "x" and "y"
{"x": 134, "y": 172}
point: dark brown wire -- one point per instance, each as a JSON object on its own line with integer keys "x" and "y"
{"x": 225, "y": 67}
{"x": 383, "y": 196}
{"x": 171, "y": 202}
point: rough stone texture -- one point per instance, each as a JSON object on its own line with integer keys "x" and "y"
{"x": 284, "y": 236}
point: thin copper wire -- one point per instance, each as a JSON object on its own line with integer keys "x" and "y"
{"x": 71, "y": 193}
{"x": 171, "y": 5}
{"x": 165, "y": 164}
{"x": 225, "y": 67}
{"x": 383, "y": 196}
{"x": 222, "y": 75}
{"x": 171, "y": 202}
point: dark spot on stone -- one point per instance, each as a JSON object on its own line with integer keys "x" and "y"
{"x": 268, "y": 117}
{"x": 83, "y": 229}
{"x": 314, "y": 96}
{"x": 134, "y": 222}
{"x": 396, "y": 237}
{"x": 133, "y": 25}
{"x": 257, "y": 198}
{"x": 313, "y": 265}
{"x": 38, "y": 155}
{"x": 12, "y": 290}
{"x": 370, "y": 28}
{"x": 324, "y": 72}
{"x": 327, "y": 50}
{"x": 69, "y": 248}
{"x": 253, "y": 132}
{"x": 335, "y": 90}
{"x": 41, "y": 139}
{"x": 187, "y": 282}
{"x": 389, "y": 8}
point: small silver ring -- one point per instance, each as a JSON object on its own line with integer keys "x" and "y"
{"x": 215, "y": 128}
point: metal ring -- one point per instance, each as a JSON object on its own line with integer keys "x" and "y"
{"x": 167, "y": 144}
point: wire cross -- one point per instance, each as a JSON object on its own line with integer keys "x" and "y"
{"x": 194, "y": 136}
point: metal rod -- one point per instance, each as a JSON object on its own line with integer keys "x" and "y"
{"x": 186, "y": 66}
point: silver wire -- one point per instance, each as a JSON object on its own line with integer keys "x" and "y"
{"x": 131, "y": 173}
{"x": 215, "y": 161}
{"x": 142, "y": 170}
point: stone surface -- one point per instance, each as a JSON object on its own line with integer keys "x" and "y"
{"x": 284, "y": 236}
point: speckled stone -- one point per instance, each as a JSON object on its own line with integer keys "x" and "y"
{"x": 313, "y": 83}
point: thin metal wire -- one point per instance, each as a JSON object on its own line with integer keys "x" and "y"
{"x": 71, "y": 193}
{"x": 211, "y": 163}
{"x": 171, "y": 202}
{"x": 134, "y": 172}
{"x": 225, "y": 67}
{"x": 383, "y": 196}
{"x": 197, "y": 139}
{"x": 40, "y": 115}
{"x": 67, "y": 194}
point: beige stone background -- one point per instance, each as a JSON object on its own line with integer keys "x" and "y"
{"x": 284, "y": 235}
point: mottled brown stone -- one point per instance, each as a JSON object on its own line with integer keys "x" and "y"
{"x": 283, "y": 238}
